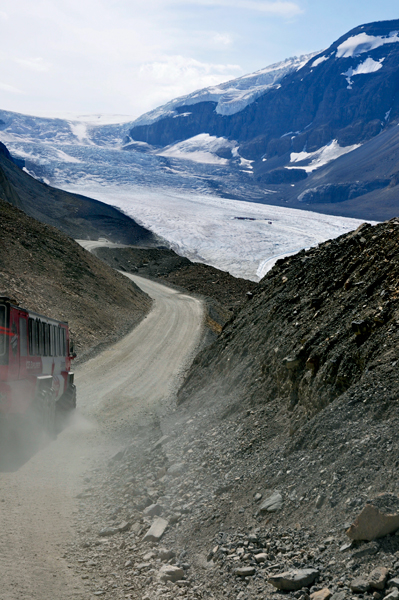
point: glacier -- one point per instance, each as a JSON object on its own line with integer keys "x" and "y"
{"x": 192, "y": 204}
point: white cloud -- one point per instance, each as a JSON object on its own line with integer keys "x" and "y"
{"x": 9, "y": 88}
{"x": 222, "y": 40}
{"x": 3, "y": 15}
{"x": 174, "y": 68}
{"x": 280, "y": 8}
{"x": 34, "y": 64}
{"x": 175, "y": 76}
{"x": 129, "y": 56}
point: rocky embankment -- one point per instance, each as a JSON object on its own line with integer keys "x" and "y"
{"x": 48, "y": 272}
{"x": 277, "y": 472}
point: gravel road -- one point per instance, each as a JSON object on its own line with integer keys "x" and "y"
{"x": 38, "y": 506}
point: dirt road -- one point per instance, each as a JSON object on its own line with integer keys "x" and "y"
{"x": 38, "y": 505}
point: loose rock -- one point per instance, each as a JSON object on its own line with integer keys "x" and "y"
{"x": 378, "y": 578}
{"x": 294, "y": 580}
{"x": 273, "y": 503}
{"x": 156, "y": 530}
{"x": 323, "y": 594}
{"x": 372, "y": 524}
{"x": 245, "y": 571}
{"x": 171, "y": 573}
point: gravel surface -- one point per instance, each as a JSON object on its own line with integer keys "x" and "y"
{"x": 120, "y": 392}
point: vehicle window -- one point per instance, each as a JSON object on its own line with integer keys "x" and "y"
{"x": 46, "y": 330}
{"x": 41, "y": 337}
{"x": 33, "y": 337}
{"x": 23, "y": 339}
{"x": 63, "y": 343}
{"x": 55, "y": 334}
{"x": 51, "y": 327}
{"x": 3, "y": 331}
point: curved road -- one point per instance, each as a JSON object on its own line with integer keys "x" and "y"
{"x": 38, "y": 501}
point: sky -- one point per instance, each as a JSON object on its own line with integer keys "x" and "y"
{"x": 127, "y": 57}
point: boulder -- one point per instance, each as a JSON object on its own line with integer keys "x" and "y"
{"x": 323, "y": 594}
{"x": 156, "y": 530}
{"x": 372, "y": 524}
{"x": 378, "y": 578}
{"x": 293, "y": 580}
{"x": 360, "y": 585}
{"x": 272, "y": 504}
{"x": 171, "y": 573}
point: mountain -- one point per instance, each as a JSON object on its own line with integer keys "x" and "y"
{"x": 230, "y": 97}
{"x": 347, "y": 92}
{"x": 324, "y": 111}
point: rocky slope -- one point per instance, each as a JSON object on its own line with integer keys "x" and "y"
{"x": 286, "y": 428}
{"x": 321, "y": 324}
{"x": 44, "y": 270}
{"x": 77, "y": 216}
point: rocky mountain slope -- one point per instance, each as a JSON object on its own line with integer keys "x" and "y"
{"x": 46, "y": 271}
{"x": 75, "y": 215}
{"x": 322, "y": 325}
{"x": 285, "y": 431}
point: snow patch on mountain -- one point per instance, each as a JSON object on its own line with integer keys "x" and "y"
{"x": 321, "y": 157}
{"x": 233, "y": 96}
{"x": 358, "y": 44}
{"x": 319, "y": 61}
{"x": 366, "y": 67}
{"x": 201, "y": 148}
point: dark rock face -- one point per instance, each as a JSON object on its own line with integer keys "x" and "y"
{"x": 197, "y": 119}
{"x": 4, "y": 151}
{"x": 342, "y": 191}
{"x": 326, "y": 99}
{"x": 283, "y": 176}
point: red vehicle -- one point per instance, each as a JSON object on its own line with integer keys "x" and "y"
{"x": 35, "y": 366}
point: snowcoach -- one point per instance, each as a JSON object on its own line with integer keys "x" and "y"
{"x": 36, "y": 381}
